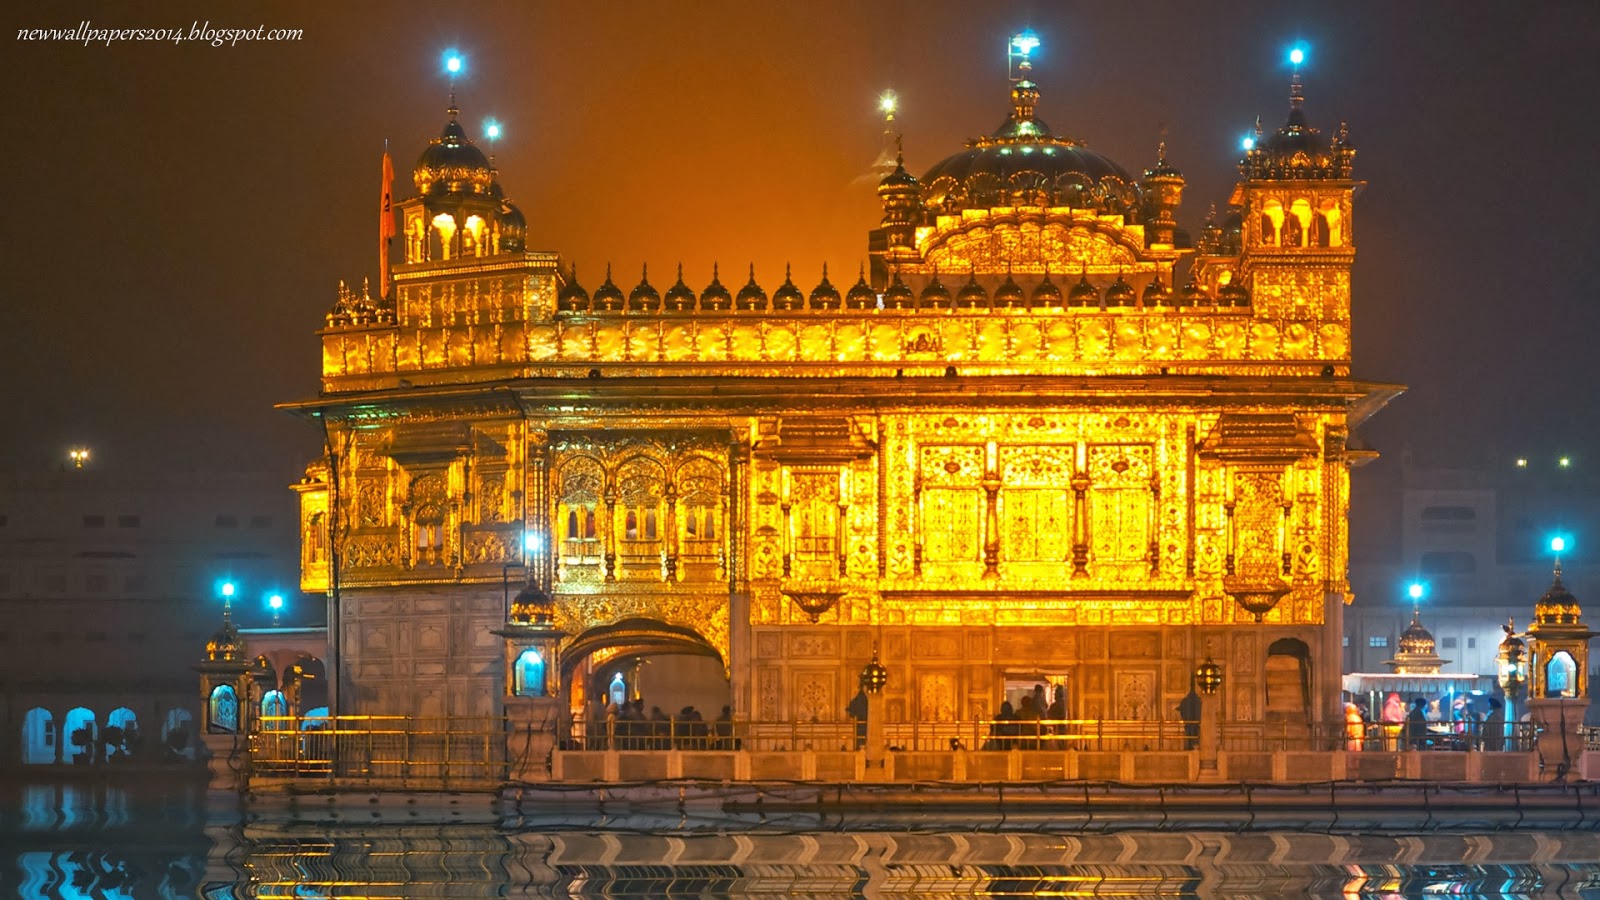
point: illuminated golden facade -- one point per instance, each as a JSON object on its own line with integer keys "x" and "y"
{"x": 1014, "y": 450}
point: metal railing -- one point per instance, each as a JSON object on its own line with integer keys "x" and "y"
{"x": 380, "y": 748}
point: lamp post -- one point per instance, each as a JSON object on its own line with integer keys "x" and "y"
{"x": 873, "y": 679}
{"x": 1208, "y": 680}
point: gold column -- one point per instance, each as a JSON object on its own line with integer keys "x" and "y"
{"x": 610, "y": 530}
{"x": 672, "y": 532}
{"x": 991, "y": 517}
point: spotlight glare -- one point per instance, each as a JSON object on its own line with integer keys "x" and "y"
{"x": 1415, "y": 591}
{"x": 1025, "y": 43}
{"x": 491, "y": 129}
{"x": 453, "y": 63}
{"x": 1558, "y": 544}
{"x": 1248, "y": 144}
{"x": 1297, "y": 56}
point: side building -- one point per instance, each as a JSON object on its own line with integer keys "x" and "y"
{"x": 1015, "y": 451}
{"x": 109, "y": 582}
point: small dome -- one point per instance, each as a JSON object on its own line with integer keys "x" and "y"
{"x": 607, "y": 297}
{"x": 644, "y": 297}
{"x": 898, "y": 296}
{"x": 1193, "y": 294}
{"x": 1084, "y": 294}
{"x": 227, "y": 644}
{"x": 861, "y": 295}
{"x": 935, "y": 295}
{"x": 1120, "y": 293}
{"x": 972, "y": 293}
{"x": 1416, "y": 639}
{"x": 573, "y": 298}
{"x": 453, "y": 164}
{"x": 1156, "y": 293}
{"x": 1046, "y": 294}
{"x": 1009, "y": 294}
{"x": 715, "y": 296}
{"x": 1557, "y": 606}
{"x": 899, "y": 178}
{"x": 751, "y": 296}
{"x": 678, "y": 297}
{"x": 1233, "y": 294}
{"x": 513, "y": 228}
{"x": 825, "y": 295}
{"x": 532, "y": 606}
{"x": 787, "y": 296}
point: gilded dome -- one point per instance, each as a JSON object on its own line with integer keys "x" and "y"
{"x": 751, "y": 296}
{"x": 453, "y": 164}
{"x": 1233, "y": 294}
{"x": 644, "y": 297}
{"x": 861, "y": 295}
{"x": 935, "y": 295}
{"x": 1024, "y": 163}
{"x": 1009, "y": 294}
{"x": 898, "y": 296}
{"x": 1083, "y": 293}
{"x": 787, "y": 296}
{"x": 715, "y": 296}
{"x": 825, "y": 295}
{"x": 607, "y": 297}
{"x": 678, "y": 297}
{"x": 572, "y": 297}
{"x": 1046, "y": 294}
{"x": 1557, "y": 606}
{"x": 227, "y": 644}
{"x": 1416, "y": 639}
{"x": 972, "y": 293}
{"x": 1120, "y": 293}
{"x": 1156, "y": 293}
{"x": 1193, "y": 294}
{"x": 513, "y": 227}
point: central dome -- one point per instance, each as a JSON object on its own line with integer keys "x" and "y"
{"x": 1024, "y": 163}
{"x": 452, "y": 163}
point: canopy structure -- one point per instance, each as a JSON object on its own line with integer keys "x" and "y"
{"x": 1386, "y": 682}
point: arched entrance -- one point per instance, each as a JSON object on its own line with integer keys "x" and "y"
{"x": 656, "y": 669}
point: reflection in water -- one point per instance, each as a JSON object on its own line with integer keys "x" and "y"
{"x": 155, "y": 840}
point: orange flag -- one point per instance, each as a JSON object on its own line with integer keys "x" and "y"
{"x": 386, "y": 227}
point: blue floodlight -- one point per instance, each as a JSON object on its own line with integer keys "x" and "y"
{"x": 1297, "y": 54}
{"x": 227, "y": 589}
{"x": 531, "y": 542}
{"x": 1025, "y": 43}
{"x": 1247, "y": 144}
{"x": 275, "y": 602}
{"x": 1415, "y": 591}
{"x": 491, "y": 129}
{"x": 454, "y": 63}
{"x": 1558, "y": 544}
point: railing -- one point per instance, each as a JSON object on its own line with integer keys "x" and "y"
{"x": 1050, "y": 735}
{"x": 380, "y": 748}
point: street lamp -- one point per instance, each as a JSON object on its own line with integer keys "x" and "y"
{"x": 1208, "y": 677}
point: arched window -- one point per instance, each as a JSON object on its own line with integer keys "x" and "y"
{"x": 274, "y": 704}
{"x": 222, "y": 711}
{"x": 618, "y": 690}
{"x": 630, "y": 526}
{"x": 1272, "y": 216}
{"x": 38, "y": 737}
{"x": 314, "y": 719}
{"x": 177, "y": 733}
{"x": 82, "y": 733}
{"x": 1561, "y": 675}
{"x": 530, "y": 674}
{"x": 1298, "y": 224}
{"x": 1288, "y": 677}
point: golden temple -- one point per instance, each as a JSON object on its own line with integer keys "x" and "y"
{"x": 1017, "y": 449}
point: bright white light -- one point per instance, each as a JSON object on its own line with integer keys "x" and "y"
{"x": 1025, "y": 43}
{"x": 491, "y": 129}
{"x": 1558, "y": 544}
{"x": 1297, "y": 56}
{"x": 1522, "y": 462}
{"x": 227, "y": 589}
{"x": 453, "y": 63}
{"x": 531, "y": 542}
{"x": 275, "y": 601}
{"x": 1564, "y": 461}
{"x": 1415, "y": 591}
{"x": 1248, "y": 144}
{"x": 888, "y": 102}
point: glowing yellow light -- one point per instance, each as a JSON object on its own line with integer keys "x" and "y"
{"x": 888, "y": 102}
{"x": 1564, "y": 461}
{"x": 79, "y": 456}
{"x": 1522, "y": 462}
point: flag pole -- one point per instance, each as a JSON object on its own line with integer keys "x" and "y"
{"x": 386, "y": 227}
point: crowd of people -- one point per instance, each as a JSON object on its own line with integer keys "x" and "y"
{"x": 1461, "y": 723}
{"x": 626, "y": 726}
{"x": 1031, "y": 722}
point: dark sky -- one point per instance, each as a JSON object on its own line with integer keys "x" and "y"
{"x": 177, "y": 217}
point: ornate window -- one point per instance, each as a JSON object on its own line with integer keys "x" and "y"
{"x": 1121, "y": 505}
{"x": 222, "y": 709}
{"x": 530, "y": 674}
{"x": 579, "y": 484}
{"x": 1036, "y": 505}
{"x": 951, "y": 503}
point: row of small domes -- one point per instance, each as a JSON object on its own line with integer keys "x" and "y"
{"x": 644, "y": 297}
